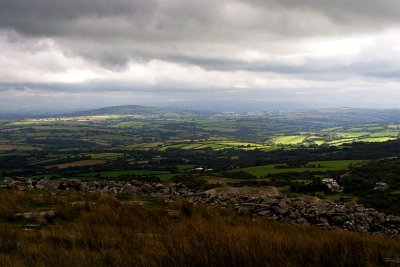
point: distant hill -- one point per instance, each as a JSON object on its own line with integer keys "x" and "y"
{"x": 329, "y": 116}
{"x": 142, "y": 110}
{"x": 346, "y": 115}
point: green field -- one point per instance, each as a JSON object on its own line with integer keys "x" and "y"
{"x": 219, "y": 125}
{"x": 320, "y": 166}
{"x": 145, "y": 146}
{"x": 129, "y": 124}
{"x": 385, "y": 134}
{"x": 110, "y": 137}
{"x": 288, "y": 140}
{"x": 107, "y": 156}
{"x": 185, "y": 167}
{"x": 148, "y": 131}
{"x": 354, "y": 134}
{"x": 376, "y": 139}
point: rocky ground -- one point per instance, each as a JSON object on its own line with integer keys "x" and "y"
{"x": 263, "y": 203}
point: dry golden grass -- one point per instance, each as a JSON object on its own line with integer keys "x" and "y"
{"x": 100, "y": 230}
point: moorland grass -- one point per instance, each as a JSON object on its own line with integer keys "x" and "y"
{"x": 105, "y": 230}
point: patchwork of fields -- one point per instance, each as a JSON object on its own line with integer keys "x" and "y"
{"x": 339, "y": 135}
{"x": 141, "y": 132}
{"x": 216, "y": 145}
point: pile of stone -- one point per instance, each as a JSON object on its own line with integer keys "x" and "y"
{"x": 171, "y": 191}
{"x": 309, "y": 210}
{"x": 300, "y": 210}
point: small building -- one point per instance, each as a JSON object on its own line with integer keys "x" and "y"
{"x": 332, "y": 184}
{"x": 381, "y": 186}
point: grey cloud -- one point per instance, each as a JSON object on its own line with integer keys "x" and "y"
{"x": 113, "y": 32}
{"x": 209, "y": 34}
{"x": 174, "y": 16}
{"x": 356, "y": 11}
{"x": 48, "y": 16}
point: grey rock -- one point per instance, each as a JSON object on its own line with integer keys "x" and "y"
{"x": 159, "y": 186}
{"x": 128, "y": 188}
{"x": 147, "y": 188}
{"x": 279, "y": 210}
{"x": 7, "y": 180}
{"x": 136, "y": 183}
{"x": 393, "y": 219}
{"x": 32, "y": 215}
{"x": 263, "y": 213}
{"x": 44, "y": 184}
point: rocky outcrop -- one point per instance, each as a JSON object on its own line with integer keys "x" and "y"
{"x": 267, "y": 204}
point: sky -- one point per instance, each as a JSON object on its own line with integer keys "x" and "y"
{"x": 208, "y": 54}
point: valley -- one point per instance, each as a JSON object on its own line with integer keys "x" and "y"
{"x": 332, "y": 169}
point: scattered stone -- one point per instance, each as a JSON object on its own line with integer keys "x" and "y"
{"x": 300, "y": 210}
{"x": 392, "y": 261}
{"x": 33, "y": 215}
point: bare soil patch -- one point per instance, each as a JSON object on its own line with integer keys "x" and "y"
{"x": 13, "y": 147}
{"x": 86, "y": 162}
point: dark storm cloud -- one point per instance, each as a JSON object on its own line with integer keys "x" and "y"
{"x": 53, "y": 17}
{"x": 50, "y": 17}
{"x": 200, "y": 32}
{"x": 113, "y": 32}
